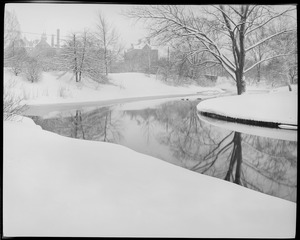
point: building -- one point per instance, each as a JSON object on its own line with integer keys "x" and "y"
{"x": 141, "y": 57}
{"x": 42, "y": 44}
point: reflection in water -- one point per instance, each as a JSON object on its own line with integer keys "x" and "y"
{"x": 98, "y": 125}
{"x": 173, "y": 132}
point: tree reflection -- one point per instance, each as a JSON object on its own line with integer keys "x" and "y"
{"x": 263, "y": 164}
{"x": 77, "y": 125}
{"x": 98, "y": 125}
{"x": 235, "y": 157}
{"x": 260, "y": 163}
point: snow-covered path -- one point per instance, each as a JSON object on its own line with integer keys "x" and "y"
{"x": 58, "y": 186}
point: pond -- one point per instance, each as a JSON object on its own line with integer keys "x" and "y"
{"x": 173, "y": 132}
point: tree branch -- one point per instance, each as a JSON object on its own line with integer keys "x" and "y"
{"x": 268, "y": 38}
{"x": 270, "y": 19}
{"x": 266, "y": 59}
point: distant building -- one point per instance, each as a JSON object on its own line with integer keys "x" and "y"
{"x": 141, "y": 57}
{"x": 43, "y": 43}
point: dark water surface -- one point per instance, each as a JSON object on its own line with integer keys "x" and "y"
{"x": 173, "y": 132}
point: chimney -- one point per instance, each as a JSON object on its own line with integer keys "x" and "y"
{"x": 58, "y": 44}
{"x": 52, "y": 40}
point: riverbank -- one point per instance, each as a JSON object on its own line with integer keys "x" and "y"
{"x": 61, "y": 88}
{"x": 58, "y": 186}
{"x": 274, "y": 109}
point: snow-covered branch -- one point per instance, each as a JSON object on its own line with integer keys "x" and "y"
{"x": 268, "y": 38}
{"x": 267, "y": 59}
{"x": 268, "y": 20}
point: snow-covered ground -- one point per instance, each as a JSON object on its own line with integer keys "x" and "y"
{"x": 59, "y": 87}
{"x": 279, "y": 106}
{"x": 58, "y": 186}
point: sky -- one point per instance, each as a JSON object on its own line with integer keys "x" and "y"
{"x": 38, "y": 18}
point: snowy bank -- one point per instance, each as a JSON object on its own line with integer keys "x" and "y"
{"x": 58, "y": 186}
{"x": 60, "y": 87}
{"x": 275, "y": 107}
{"x": 275, "y": 133}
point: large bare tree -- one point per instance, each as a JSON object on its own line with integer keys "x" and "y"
{"x": 222, "y": 31}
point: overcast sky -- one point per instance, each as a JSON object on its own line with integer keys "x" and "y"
{"x": 39, "y": 18}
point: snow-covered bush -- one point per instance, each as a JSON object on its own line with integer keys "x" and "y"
{"x": 15, "y": 58}
{"x": 12, "y": 105}
{"x": 97, "y": 75}
{"x": 33, "y": 70}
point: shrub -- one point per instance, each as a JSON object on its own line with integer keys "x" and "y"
{"x": 15, "y": 58}
{"x": 11, "y": 104}
{"x": 33, "y": 70}
{"x": 97, "y": 75}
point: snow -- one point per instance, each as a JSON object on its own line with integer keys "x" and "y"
{"x": 279, "y": 107}
{"x": 283, "y": 126}
{"x": 60, "y": 87}
{"x": 58, "y": 186}
{"x": 285, "y": 88}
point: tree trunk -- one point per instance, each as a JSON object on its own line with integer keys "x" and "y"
{"x": 105, "y": 58}
{"x": 231, "y": 164}
{"x": 105, "y": 128}
{"x": 258, "y": 73}
{"x": 76, "y": 121}
{"x": 240, "y": 82}
{"x": 75, "y": 58}
{"x": 238, "y": 156}
{"x": 241, "y": 54}
{"x": 79, "y": 78}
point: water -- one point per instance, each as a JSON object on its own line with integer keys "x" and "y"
{"x": 173, "y": 132}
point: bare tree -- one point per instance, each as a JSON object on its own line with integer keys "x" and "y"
{"x": 83, "y": 55}
{"x": 260, "y": 52}
{"x": 11, "y": 28}
{"x": 14, "y": 52}
{"x": 75, "y": 54}
{"x": 287, "y": 66}
{"x": 108, "y": 41}
{"x": 221, "y": 30}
